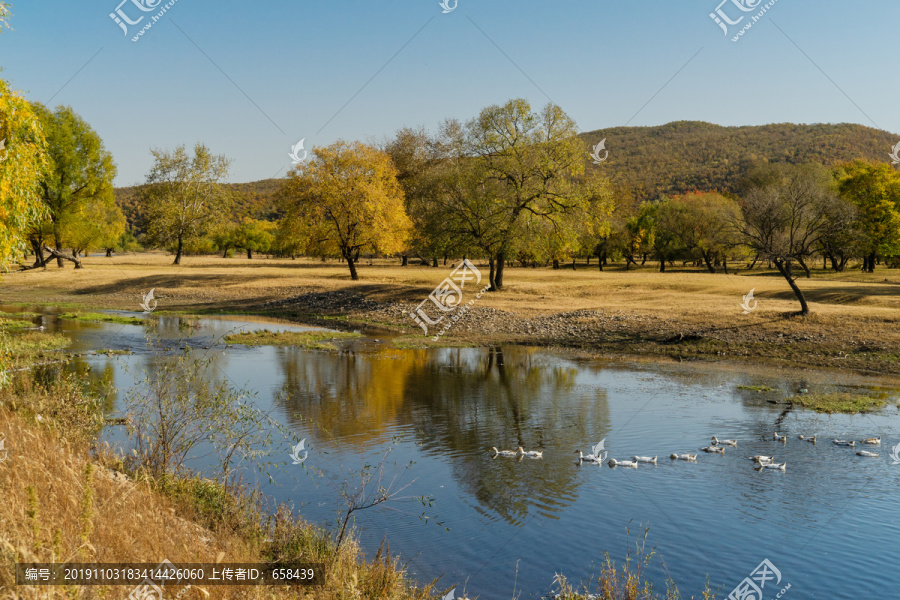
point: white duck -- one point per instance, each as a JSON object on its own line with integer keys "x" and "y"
{"x": 596, "y": 454}
{"x": 850, "y": 443}
{"x": 762, "y": 459}
{"x": 622, "y": 463}
{"x": 714, "y": 449}
{"x": 779, "y": 438}
{"x": 871, "y": 441}
{"x": 811, "y": 440}
{"x": 772, "y": 465}
{"x": 687, "y": 457}
{"x": 506, "y": 453}
{"x": 531, "y": 453}
{"x": 644, "y": 459}
{"x": 867, "y": 454}
{"x": 716, "y": 441}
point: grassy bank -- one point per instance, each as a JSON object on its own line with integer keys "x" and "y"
{"x": 839, "y": 403}
{"x": 63, "y": 503}
{"x": 684, "y": 314}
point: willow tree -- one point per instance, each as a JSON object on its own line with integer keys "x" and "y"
{"x": 23, "y": 164}
{"x": 183, "y": 200}
{"x": 510, "y": 165}
{"x": 347, "y": 199}
{"x": 77, "y": 186}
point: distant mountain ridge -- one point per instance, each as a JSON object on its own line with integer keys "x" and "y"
{"x": 667, "y": 159}
{"x": 694, "y": 155}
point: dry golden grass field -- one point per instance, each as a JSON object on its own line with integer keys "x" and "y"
{"x": 683, "y": 313}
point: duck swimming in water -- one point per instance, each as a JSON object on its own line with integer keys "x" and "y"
{"x": 687, "y": 457}
{"x": 714, "y": 449}
{"x": 844, "y": 443}
{"x": 762, "y": 459}
{"x": 772, "y": 465}
{"x": 779, "y": 438}
{"x": 716, "y": 441}
{"x": 530, "y": 453}
{"x": 871, "y": 441}
{"x": 867, "y": 454}
{"x": 506, "y": 453}
{"x": 644, "y": 459}
{"x": 806, "y": 438}
{"x": 622, "y": 463}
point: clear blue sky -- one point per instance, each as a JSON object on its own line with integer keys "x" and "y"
{"x": 298, "y": 62}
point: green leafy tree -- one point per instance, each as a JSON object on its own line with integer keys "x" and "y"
{"x": 254, "y": 236}
{"x": 346, "y": 199}
{"x": 183, "y": 200}
{"x": 77, "y": 188}
{"x": 875, "y": 191}
{"x": 509, "y": 166}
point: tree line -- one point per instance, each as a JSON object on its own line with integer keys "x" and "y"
{"x": 510, "y": 186}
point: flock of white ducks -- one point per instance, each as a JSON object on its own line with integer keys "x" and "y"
{"x": 716, "y": 446}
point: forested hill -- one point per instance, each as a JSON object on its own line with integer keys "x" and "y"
{"x": 255, "y": 200}
{"x": 688, "y": 155}
{"x": 669, "y": 159}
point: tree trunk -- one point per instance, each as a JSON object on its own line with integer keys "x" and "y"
{"x": 109, "y": 252}
{"x": 573, "y": 264}
{"x": 871, "y": 263}
{"x": 662, "y": 265}
{"x": 59, "y": 260}
{"x": 709, "y": 264}
{"x": 725, "y": 264}
{"x": 785, "y": 271}
{"x": 753, "y": 264}
{"x": 805, "y": 268}
{"x": 348, "y": 255}
{"x": 404, "y": 260}
{"x": 62, "y": 255}
{"x": 225, "y": 254}
{"x": 434, "y": 261}
{"x": 498, "y": 275}
{"x": 555, "y": 264}
{"x": 249, "y": 253}
{"x": 179, "y": 250}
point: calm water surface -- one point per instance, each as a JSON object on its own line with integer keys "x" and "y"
{"x": 830, "y": 523}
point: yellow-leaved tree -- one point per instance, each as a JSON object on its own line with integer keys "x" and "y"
{"x": 23, "y": 163}
{"x": 346, "y": 199}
